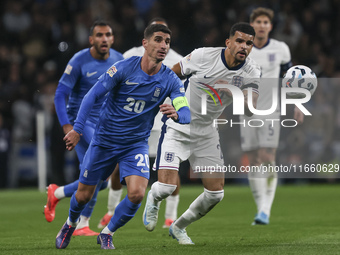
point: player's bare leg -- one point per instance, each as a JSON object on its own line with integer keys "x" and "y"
{"x": 161, "y": 189}
{"x": 115, "y": 194}
{"x": 126, "y": 209}
{"x": 213, "y": 194}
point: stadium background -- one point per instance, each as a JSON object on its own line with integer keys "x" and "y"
{"x": 39, "y": 37}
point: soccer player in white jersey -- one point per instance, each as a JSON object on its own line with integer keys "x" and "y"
{"x": 115, "y": 191}
{"x": 199, "y": 141}
{"x": 260, "y": 143}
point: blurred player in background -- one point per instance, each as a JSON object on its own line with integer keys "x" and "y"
{"x": 81, "y": 73}
{"x": 260, "y": 143}
{"x": 199, "y": 141}
{"x": 115, "y": 191}
{"x": 136, "y": 89}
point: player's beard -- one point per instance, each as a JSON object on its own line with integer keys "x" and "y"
{"x": 100, "y": 51}
{"x": 241, "y": 59}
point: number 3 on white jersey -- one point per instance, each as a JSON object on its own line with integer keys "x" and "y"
{"x": 136, "y": 106}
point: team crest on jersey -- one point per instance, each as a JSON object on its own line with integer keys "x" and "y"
{"x": 156, "y": 94}
{"x": 112, "y": 70}
{"x": 68, "y": 69}
{"x": 237, "y": 81}
{"x": 271, "y": 57}
{"x": 169, "y": 156}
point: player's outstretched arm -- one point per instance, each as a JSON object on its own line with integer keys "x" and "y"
{"x": 255, "y": 96}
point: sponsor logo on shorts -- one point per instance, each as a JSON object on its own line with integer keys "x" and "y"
{"x": 144, "y": 171}
{"x": 169, "y": 156}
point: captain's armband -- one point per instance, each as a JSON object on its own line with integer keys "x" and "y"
{"x": 180, "y": 102}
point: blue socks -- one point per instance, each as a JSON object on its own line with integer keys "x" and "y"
{"x": 75, "y": 209}
{"x": 87, "y": 209}
{"x": 69, "y": 189}
{"x": 123, "y": 213}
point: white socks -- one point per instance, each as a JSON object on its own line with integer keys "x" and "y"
{"x": 106, "y": 230}
{"x": 271, "y": 189}
{"x": 263, "y": 186}
{"x": 200, "y": 207}
{"x": 171, "y": 207}
{"x": 84, "y": 222}
{"x": 59, "y": 192}
{"x": 161, "y": 191}
{"x": 113, "y": 200}
{"x": 73, "y": 224}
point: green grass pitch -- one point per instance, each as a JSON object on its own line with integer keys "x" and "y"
{"x": 305, "y": 220}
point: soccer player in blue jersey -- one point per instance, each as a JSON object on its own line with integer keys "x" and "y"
{"x": 136, "y": 89}
{"x": 115, "y": 191}
{"x": 81, "y": 73}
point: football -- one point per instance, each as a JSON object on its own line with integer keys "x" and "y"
{"x": 300, "y": 76}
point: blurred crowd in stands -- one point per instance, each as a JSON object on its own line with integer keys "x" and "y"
{"x": 38, "y": 37}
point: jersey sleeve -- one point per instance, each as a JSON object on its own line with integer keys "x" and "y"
{"x": 61, "y": 94}
{"x": 112, "y": 76}
{"x": 192, "y": 62}
{"x": 95, "y": 93}
{"x": 179, "y": 101}
{"x": 177, "y": 94}
{"x": 72, "y": 73}
{"x": 106, "y": 82}
{"x": 253, "y": 79}
{"x": 286, "y": 58}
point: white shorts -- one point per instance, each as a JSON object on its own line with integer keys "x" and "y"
{"x": 177, "y": 147}
{"x": 266, "y": 136}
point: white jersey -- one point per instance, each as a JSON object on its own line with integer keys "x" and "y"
{"x": 206, "y": 66}
{"x": 170, "y": 60}
{"x": 270, "y": 58}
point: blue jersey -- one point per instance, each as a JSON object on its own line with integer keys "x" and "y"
{"x": 81, "y": 73}
{"x": 132, "y": 102}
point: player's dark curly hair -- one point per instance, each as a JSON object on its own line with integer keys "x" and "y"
{"x": 242, "y": 27}
{"x": 149, "y": 30}
{"x": 101, "y": 23}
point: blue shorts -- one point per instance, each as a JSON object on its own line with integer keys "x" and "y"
{"x": 99, "y": 162}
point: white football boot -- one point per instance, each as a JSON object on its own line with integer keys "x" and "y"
{"x": 180, "y": 235}
{"x": 150, "y": 214}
